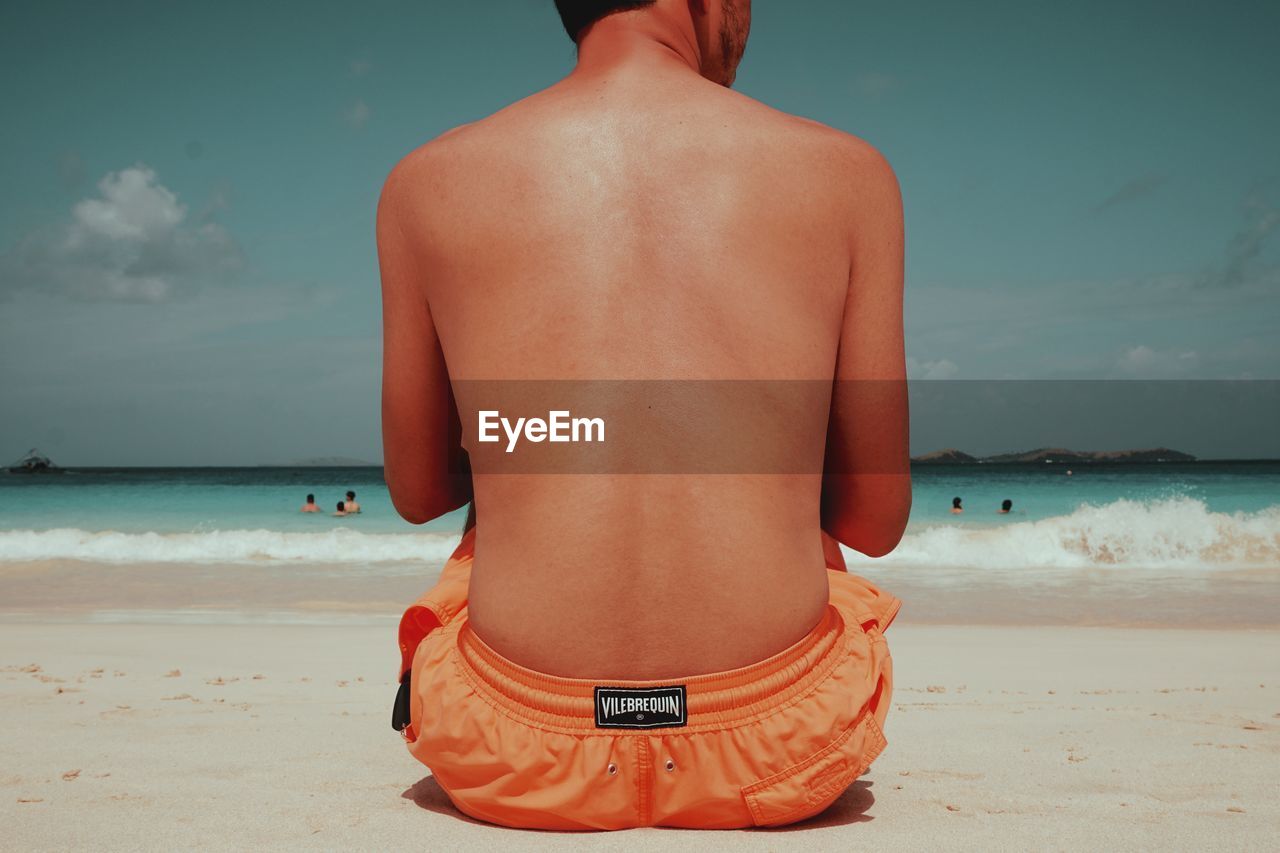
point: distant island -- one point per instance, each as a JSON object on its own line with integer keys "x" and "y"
{"x": 331, "y": 462}
{"x": 1054, "y": 455}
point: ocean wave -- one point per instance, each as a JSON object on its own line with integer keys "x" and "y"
{"x": 1176, "y": 532}
{"x": 1169, "y": 533}
{"x": 225, "y": 546}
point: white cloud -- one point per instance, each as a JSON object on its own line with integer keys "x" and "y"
{"x": 1143, "y": 362}
{"x": 358, "y": 114}
{"x": 130, "y": 243}
{"x": 134, "y": 206}
{"x": 1243, "y": 263}
{"x": 940, "y": 369}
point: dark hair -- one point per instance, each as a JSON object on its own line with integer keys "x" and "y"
{"x": 351, "y": 496}
{"x": 576, "y": 14}
{"x": 311, "y": 499}
{"x": 1006, "y": 505}
{"x": 955, "y": 502}
{"x": 341, "y": 506}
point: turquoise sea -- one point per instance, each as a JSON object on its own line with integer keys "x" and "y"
{"x": 1201, "y": 515}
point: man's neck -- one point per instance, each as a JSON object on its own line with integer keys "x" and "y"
{"x": 644, "y": 44}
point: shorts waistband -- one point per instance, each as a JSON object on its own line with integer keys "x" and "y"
{"x": 713, "y": 699}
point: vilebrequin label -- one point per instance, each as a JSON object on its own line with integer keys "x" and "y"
{"x": 641, "y": 707}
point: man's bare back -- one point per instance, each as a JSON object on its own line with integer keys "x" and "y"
{"x": 637, "y": 221}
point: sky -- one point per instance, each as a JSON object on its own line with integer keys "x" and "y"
{"x": 188, "y": 273}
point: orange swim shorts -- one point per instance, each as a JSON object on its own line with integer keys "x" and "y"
{"x": 764, "y": 745}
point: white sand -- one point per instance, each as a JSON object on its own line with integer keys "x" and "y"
{"x": 1000, "y": 738}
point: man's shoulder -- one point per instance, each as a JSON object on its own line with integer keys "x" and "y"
{"x": 842, "y": 150}
{"x": 449, "y": 162}
{"x": 430, "y": 157}
{"x": 424, "y": 173}
{"x": 856, "y": 171}
{"x": 840, "y": 156}
{"x": 452, "y": 147}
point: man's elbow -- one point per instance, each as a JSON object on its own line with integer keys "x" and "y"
{"x": 418, "y": 506}
{"x": 874, "y": 529}
{"x": 873, "y": 540}
{"x": 877, "y": 543}
{"x": 414, "y": 513}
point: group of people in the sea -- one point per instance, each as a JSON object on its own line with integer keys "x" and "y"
{"x": 351, "y": 507}
{"x": 347, "y": 507}
{"x": 1006, "y": 506}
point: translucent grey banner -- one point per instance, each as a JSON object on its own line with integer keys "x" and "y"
{"x": 864, "y": 427}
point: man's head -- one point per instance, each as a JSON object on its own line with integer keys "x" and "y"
{"x": 720, "y": 27}
{"x": 351, "y": 496}
{"x": 577, "y": 14}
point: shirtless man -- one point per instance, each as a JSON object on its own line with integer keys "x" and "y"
{"x": 640, "y": 220}
{"x": 350, "y": 504}
{"x": 310, "y": 505}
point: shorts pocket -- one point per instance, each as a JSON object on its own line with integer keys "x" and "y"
{"x": 413, "y": 709}
{"x": 804, "y": 789}
{"x": 425, "y": 659}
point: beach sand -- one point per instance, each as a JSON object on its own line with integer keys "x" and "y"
{"x": 160, "y": 736}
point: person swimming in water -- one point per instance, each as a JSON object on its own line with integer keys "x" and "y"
{"x": 1005, "y": 506}
{"x": 956, "y": 509}
{"x": 351, "y": 506}
{"x": 342, "y": 509}
{"x": 310, "y": 505}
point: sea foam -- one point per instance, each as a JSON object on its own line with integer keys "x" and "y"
{"x": 1169, "y": 533}
{"x": 225, "y": 546}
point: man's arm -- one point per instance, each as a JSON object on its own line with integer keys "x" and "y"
{"x": 425, "y": 466}
{"x": 866, "y": 485}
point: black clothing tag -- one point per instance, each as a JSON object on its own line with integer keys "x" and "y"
{"x": 641, "y": 707}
